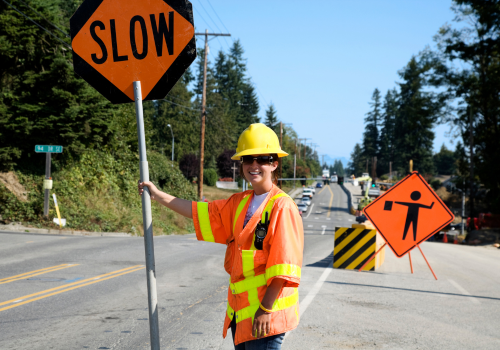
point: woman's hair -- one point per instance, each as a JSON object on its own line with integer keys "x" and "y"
{"x": 275, "y": 174}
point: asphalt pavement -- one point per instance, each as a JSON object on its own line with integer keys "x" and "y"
{"x": 76, "y": 292}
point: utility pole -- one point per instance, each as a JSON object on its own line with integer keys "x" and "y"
{"x": 301, "y": 144}
{"x": 294, "y": 168}
{"x": 472, "y": 226}
{"x": 281, "y": 145}
{"x": 172, "y": 144}
{"x": 203, "y": 107}
{"x": 234, "y": 171}
{"x": 390, "y": 171}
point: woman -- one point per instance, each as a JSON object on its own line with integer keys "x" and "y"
{"x": 263, "y": 232}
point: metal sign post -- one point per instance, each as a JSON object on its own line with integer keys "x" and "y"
{"x": 48, "y": 162}
{"x": 147, "y": 219}
{"x": 47, "y": 183}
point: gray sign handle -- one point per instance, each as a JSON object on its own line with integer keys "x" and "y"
{"x": 154, "y": 332}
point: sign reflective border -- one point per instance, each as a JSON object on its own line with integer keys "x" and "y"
{"x": 48, "y": 149}
{"x": 118, "y": 42}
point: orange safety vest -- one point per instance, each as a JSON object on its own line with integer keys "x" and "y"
{"x": 251, "y": 270}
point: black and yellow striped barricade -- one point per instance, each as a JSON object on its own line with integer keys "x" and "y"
{"x": 354, "y": 246}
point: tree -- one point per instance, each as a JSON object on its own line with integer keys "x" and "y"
{"x": 388, "y": 131}
{"x": 444, "y": 161}
{"x": 357, "y": 164}
{"x": 371, "y": 135}
{"x": 272, "y": 118}
{"x": 225, "y": 164}
{"x": 189, "y": 165}
{"x": 417, "y": 114}
{"x": 467, "y": 66}
{"x": 41, "y": 99}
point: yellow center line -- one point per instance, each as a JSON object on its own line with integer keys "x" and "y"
{"x": 330, "y": 205}
{"x": 322, "y": 189}
{"x": 96, "y": 279}
{"x": 31, "y": 272}
{"x": 39, "y": 273}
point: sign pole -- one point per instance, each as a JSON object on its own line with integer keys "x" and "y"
{"x": 411, "y": 265}
{"x": 48, "y": 161}
{"x": 147, "y": 223}
{"x": 427, "y": 262}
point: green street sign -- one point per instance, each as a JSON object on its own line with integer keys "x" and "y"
{"x": 48, "y": 149}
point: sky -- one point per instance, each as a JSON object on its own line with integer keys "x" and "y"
{"x": 319, "y": 61}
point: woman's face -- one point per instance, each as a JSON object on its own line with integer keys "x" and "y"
{"x": 259, "y": 174}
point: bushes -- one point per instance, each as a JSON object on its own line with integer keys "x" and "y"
{"x": 210, "y": 177}
{"x": 435, "y": 184}
{"x": 98, "y": 192}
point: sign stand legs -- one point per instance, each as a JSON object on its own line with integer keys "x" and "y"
{"x": 147, "y": 223}
{"x": 48, "y": 161}
{"x": 373, "y": 256}
{"x": 411, "y": 265}
{"x": 427, "y": 262}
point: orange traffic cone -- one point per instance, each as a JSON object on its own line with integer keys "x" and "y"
{"x": 445, "y": 238}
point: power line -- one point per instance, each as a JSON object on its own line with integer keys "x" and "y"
{"x": 59, "y": 29}
{"x": 203, "y": 7}
{"x": 227, "y": 30}
{"x": 38, "y": 25}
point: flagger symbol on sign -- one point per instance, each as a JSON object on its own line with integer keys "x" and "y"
{"x": 412, "y": 215}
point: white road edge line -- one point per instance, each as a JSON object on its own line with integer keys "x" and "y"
{"x": 310, "y": 210}
{"x": 462, "y": 289}
{"x": 304, "y": 304}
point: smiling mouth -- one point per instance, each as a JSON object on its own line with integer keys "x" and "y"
{"x": 254, "y": 172}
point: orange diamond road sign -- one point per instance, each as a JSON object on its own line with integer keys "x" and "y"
{"x": 408, "y": 214}
{"x": 118, "y": 42}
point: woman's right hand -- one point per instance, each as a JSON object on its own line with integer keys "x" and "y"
{"x": 153, "y": 190}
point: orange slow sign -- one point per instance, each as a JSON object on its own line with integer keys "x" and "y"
{"x": 117, "y": 42}
{"x": 408, "y": 214}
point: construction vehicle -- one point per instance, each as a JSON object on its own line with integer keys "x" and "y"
{"x": 367, "y": 187}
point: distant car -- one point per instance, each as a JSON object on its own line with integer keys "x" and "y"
{"x": 306, "y": 200}
{"x": 307, "y": 193}
{"x": 319, "y": 185}
{"x": 312, "y": 188}
{"x": 302, "y": 207}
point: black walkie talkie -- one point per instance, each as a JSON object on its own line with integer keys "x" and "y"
{"x": 261, "y": 232}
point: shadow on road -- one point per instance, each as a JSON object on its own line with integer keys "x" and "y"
{"x": 413, "y": 290}
{"x": 325, "y": 262}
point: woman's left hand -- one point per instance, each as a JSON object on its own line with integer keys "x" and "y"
{"x": 261, "y": 324}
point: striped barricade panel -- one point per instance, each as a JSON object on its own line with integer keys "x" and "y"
{"x": 353, "y": 247}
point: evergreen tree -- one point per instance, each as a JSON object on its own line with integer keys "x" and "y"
{"x": 41, "y": 99}
{"x": 417, "y": 114}
{"x": 388, "y": 131}
{"x": 444, "y": 161}
{"x": 235, "y": 87}
{"x": 220, "y": 125}
{"x": 272, "y": 118}
{"x": 371, "y": 135}
{"x": 468, "y": 68}
{"x": 357, "y": 164}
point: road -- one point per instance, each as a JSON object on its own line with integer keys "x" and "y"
{"x": 70, "y": 292}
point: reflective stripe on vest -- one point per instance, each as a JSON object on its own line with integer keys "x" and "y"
{"x": 204, "y": 221}
{"x": 279, "y": 304}
{"x": 282, "y": 269}
{"x": 247, "y": 284}
{"x": 239, "y": 209}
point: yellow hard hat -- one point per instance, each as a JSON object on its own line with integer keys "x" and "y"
{"x": 258, "y": 139}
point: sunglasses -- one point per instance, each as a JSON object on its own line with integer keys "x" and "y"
{"x": 262, "y": 160}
